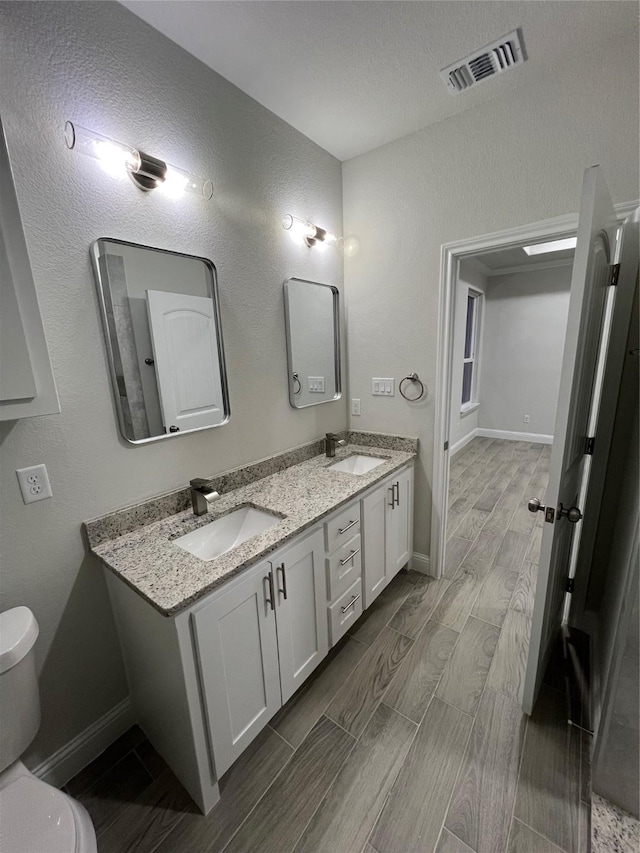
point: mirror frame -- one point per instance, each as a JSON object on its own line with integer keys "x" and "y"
{"x": 336, "y": 342}
{"x": 94, "y": 253}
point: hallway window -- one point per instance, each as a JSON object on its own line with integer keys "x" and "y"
{"x": 471, "y": 340}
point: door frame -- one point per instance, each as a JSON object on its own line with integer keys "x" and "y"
{"x": 451, "y": 254}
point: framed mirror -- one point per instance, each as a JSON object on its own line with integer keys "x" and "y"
{"x": 312, "y": 317}
{"x": 161, "y": 320}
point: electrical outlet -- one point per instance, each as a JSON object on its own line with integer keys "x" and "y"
{"x": 355, "y": 406}
{"x": 526, "y": 419}
{"x": 34, "y": 483}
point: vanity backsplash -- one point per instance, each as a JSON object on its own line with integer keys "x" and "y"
{"x": 126, "y": 520}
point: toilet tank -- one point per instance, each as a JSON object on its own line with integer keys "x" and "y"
{"x": 19, "y": 697}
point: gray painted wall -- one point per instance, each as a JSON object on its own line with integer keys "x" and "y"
{"x": 511, "y": 161}
{"x": 102, "y": 67}
{"x": 525, "y": 323}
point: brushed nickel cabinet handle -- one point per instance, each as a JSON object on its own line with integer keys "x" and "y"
{"x": 393, "y": 495}
{"x": 270, "y": 599}
{"x": 350, "y": 604}
{"x": 283, "y": 591}
{"x": 342, "y": 530}
{"x": 396, "y": 486}
{"x": 350, "y": 557}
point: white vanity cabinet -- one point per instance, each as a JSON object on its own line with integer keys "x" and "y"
{"x": 237, "y": 648}
{"x": 387, "y": 520}
{"x": 258, "y": 642}
{"x": 300, "y": 590}
{"x": 204, "y": 682}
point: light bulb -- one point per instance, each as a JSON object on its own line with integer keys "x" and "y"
{"x": 311, "y": 234}
{"x": 114, "y": 157}
{"x": 147, "y": 172}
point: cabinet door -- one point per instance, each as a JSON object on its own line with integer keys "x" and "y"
{"x": 374, "y": 518}
{"x": 301, "y": 595}
{"x": 400, "y": 523}
{"x": 238, "y": 657}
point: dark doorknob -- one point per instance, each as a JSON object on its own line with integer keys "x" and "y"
{"x": 572, "y": 514}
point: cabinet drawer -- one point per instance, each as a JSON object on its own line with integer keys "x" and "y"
{"x": 345, "y": 611}
{"x": 344, "y": 567}
{"x": 343, "y": 526}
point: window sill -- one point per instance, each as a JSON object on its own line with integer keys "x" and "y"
{"x": 468, "y": 408}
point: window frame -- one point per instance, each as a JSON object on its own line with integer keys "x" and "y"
{"x": 474, "y": 358}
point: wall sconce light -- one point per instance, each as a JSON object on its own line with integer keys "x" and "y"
{"x": 310, "y": 233}
{"x": 146, "y": 172}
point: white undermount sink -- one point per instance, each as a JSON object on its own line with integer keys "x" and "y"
{"x": 227, "y": 532}
{"x": 357, "y": 464}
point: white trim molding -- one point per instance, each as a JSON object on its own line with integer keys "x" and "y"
{"x": 420, "y": 563}
{"x": 466, "y": 439}
{"x": 509, "y": 435}
{"x": 451, "y": 254}
{"x": 82, "y": 749}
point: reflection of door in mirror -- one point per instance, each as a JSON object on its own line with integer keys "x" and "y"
{"x": 161, "y": 318}
{"x": 183, "y": 335}
{"x": 312, "y": 320}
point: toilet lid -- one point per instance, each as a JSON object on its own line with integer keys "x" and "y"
{"x": 35, "y": 818}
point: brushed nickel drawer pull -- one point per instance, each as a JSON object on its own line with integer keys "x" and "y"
{"x": 350, "y": 604}
{"x": 350, "y": 557}
{"x": 342, "y": 530}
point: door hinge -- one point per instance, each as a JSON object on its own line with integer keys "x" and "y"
{"x": 569, "y": 585}
{"x": 446, "y": 445}
{"x": 615, "y": 272}
{"x": 589, "y": 444}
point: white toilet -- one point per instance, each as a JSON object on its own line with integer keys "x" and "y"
{"x": 34, "y": 817}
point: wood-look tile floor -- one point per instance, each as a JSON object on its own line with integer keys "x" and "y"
{"x": 410, "y": 736}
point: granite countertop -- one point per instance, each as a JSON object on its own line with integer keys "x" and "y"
{"x": 170, "y": 578}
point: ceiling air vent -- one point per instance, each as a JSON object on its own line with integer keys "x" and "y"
{"x": 499, "y": 56}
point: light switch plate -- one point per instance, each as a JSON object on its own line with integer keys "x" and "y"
{"x": 355, "y": 406}
{"x": 34, "y": 483}
{"x": 382, "y": 387}
{"x": 316, "y": 384}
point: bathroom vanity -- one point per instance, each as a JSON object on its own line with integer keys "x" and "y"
{"x": 214, "y": 647}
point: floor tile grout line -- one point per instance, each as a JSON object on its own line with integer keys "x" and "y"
{"x": 451, "y": 832}
{"x": 542, "y": 835}
{"x": 391, "y": 787}
{"x": 260, "y": 798}
{"x": 473, "y": 725}
{"x": 355, "y": 737}
{"x": 462, "y": 760}
{"x": 399, "y": 713}
{"x": 326, "y": 792}
{"x": 282, "y": 737}
{"x": 520, "y": 763}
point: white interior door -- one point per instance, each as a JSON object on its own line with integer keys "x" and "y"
{"x": 567, "y": 470}
{"x": 185, "y": 351}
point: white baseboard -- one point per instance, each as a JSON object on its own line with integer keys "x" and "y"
{"x": 82, "y": 749}
{"x": 514, "y": 436}
{"x": 463, "y": 442}
{"x": 421, "y": 563}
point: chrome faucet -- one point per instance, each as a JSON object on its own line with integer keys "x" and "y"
{"x": 331, "y": 441}
{"x": 202, "y": 495}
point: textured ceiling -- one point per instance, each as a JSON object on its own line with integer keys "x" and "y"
{"x": 353, "y": 75}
